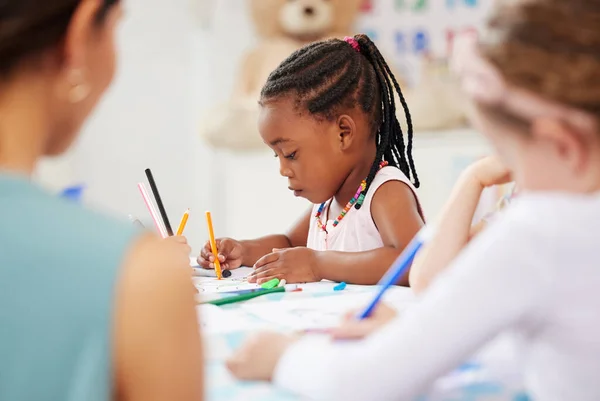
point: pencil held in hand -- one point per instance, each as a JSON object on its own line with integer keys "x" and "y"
{"x": 159, "y": 203}
{"x": 213, "y": 245}
{"x": 153, "y": 213}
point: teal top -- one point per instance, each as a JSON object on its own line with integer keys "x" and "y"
{"x": 59, "y": 265}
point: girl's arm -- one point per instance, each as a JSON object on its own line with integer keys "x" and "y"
{"x": 454, "y": 230}
{"x": 431, "y": 337}
{"x": 297, "y": 236}
{"x": 233, "y": 254}
{"x": 396, "y": 215}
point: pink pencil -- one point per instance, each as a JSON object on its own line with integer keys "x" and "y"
{"x": 161, "y": 230}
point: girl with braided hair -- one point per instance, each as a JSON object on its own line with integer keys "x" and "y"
{"x": 329, "y": 114}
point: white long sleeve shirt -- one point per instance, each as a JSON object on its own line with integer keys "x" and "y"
{"x": 534, "y": 273}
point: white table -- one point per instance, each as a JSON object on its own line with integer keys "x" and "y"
{"x": 224, "y": 331}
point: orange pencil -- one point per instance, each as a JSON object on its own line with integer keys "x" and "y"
{"x": 184, "y": 220}
{"x": 213, "y": 245}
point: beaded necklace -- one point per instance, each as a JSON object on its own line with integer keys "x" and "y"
{"x": 357, "y": 199}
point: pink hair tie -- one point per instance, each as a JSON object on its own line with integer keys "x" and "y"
{"x": 353, "y": 43}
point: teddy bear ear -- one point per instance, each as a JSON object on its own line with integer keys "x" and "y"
{"x": 265, "y": 15}
{"x": 346, "y": 12}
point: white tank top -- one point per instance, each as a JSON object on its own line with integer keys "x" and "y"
{"x": 357, "y": 231}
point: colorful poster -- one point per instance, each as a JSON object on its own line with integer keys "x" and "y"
{"x": 406, "y": 30}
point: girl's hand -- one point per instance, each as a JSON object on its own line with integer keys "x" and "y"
{"x": 258, "y": 357}
{"x": 182, "y": 243}
{"x": 295, "y": 265}
{"x": 490, "y": 171}
{"x": 354, "y": 329}
{"x": 230, "y": 254}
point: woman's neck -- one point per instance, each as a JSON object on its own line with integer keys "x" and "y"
{"x": 23, "y": 126}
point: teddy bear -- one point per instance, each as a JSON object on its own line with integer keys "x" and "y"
{"x": 283, "y": 27}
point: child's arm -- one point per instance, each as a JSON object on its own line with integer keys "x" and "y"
{"x": 396, "y": 215}
{"x": 297, "y": 236}
{"x": 233, "y": 254}
{"x": 456, "y": 317}
{"x": 454, "y": 228}
{"x": 157, "y": 350}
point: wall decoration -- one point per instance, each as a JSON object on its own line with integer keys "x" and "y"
{"x": 416, "y": 37}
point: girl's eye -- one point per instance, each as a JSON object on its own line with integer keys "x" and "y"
{"x": 291, "y": 156}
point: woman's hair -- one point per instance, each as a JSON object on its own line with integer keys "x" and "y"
{"x": 549, "y": 47}
{"x": 29, "y": 27}
{"x": 331, "y": 76}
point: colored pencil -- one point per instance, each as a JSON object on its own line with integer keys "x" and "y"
{"x": 184, "y": 220}
{"x": 152, "y": 210}
{"x": 159, "y": 203}
{"x": 398, "y": 268}
{"x": 213, "y": 245}
{"x": 244, "y": 297}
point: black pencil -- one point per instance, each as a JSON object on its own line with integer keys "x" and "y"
{"x": 161, "y": 207}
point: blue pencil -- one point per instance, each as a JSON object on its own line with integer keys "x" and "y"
{"x": 398, "y": 268}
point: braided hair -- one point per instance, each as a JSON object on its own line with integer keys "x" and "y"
{"x": 330, "y": 76}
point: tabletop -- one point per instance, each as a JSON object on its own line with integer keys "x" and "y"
{"x": 225, "y": 328}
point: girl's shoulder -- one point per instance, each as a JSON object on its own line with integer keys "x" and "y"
{"x": 390, "y": 173}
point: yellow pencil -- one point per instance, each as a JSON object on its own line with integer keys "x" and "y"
{"x": 184, "y": 220}
{"x": 213, "y": 245}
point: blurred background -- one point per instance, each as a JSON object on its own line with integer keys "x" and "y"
{"x": 184, "y": 104}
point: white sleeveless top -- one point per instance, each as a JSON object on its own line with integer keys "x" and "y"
{"x": 357, "y": 231}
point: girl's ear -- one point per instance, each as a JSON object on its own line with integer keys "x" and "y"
{"x": 347, "y": 130}
{"x": 568, "y": 144}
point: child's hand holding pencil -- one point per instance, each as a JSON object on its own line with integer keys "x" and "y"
{"x": 230, "y": 254}
{"x": 354, "y": 329}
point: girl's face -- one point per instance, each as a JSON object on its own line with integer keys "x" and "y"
{"x": 549, "y": 157}
{"x": 312, "y": 153}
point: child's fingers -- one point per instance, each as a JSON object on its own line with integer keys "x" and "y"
{"x": 263, "y": 276}
{"x": 351, "y": 315}
{"x": 260, "y": 271}
{"x": 203, "y": 263}
{"x": 278, "y": 249}
{"x": 266, "y": 274}
{"x": 265, "y": 260}
{"x": 352, "y": 330}
{"x": 225, "y": 247}
{"x": 267, "y": 279}
{"x": 206, "y": 255}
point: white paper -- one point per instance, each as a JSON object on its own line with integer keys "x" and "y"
{"x": 321, "y": 312}
{"x": 215, "y": 320}
{"x": 236, "y": 282}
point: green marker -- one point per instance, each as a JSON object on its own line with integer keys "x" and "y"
{"x": 244, "y": 297}
{"x": 270, "y": 284}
